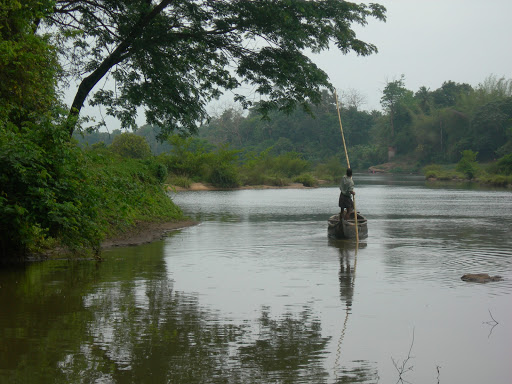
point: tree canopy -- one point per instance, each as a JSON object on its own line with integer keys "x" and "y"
{"x": 173, "y": 57}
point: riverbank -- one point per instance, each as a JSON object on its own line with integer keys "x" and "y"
{"x": 145, "y": 232}
{"x": 209, "y": 187}
{"x": 142, "y": 232}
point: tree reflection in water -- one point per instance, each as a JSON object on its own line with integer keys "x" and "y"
{"x": 288, "y": 350}
{"x": 121, "y": 321}
{"x": 361, "y": 371}
{"x": 147, "y": 332}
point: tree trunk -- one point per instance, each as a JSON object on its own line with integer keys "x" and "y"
{"x": 117, "y": 56}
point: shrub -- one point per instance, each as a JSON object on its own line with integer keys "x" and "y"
{"x": 504, "y": 165}
{"x": 306, "y": 179}
{"x": 187, "y": 157}
{"x": 221, "y": 168}
{"x": 332, "y": 170}
{"x": 161, "y": 172}
{"x": 468, "y": 165}
{"x": 180, "y": 181}
{"x": 46, "y": 192}
{"x": 432, "y": 170}
{"x": 128, "y": 191}
{"x": 130, "y": 145}
{"x": 265, "y": 169}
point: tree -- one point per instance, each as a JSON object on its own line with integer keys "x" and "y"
{"x": 396, "y": 100}
{"x": 447, "y": 95}
{"x": 490, "y": 127}
{"x": 45, "y": 192}
{"x": 173, "y": 57}
{"x": 424, "y": 99}
{"x": 352, "y": 98}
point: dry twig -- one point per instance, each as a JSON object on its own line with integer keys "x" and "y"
{"x": 492, "y": 323}
{"x": 404, "y": 367}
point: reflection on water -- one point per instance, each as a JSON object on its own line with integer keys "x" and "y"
{"x": 258, "y": 294}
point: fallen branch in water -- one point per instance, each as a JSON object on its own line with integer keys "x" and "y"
{"x": 492, "y": 323}
{"x": 403, "y": 367}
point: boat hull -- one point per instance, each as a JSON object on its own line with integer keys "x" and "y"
{"x": 346, "y": 229}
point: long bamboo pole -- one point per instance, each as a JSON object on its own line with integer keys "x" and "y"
{"x": 341, "y": 128}
{"x": 348, "y": 163}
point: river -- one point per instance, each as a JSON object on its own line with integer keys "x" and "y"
{"x": 257, "y": 293}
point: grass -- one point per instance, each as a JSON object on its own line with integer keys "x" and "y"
{"x": 129, "y": 191}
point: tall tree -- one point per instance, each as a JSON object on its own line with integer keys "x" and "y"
{"x": 173, "y": 57}
{"x": 449, "y": 92}
{"x": 393, "y": 98}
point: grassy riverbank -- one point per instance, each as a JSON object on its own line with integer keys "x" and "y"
{"x": 498, "y": 173}
{"x": 128, "y": 204}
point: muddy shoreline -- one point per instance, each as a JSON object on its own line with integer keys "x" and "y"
{"x": 206, "y": 187}
{"x": 145, "y": 232}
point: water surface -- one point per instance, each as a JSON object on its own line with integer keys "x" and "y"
{"x": 257, "y": 293}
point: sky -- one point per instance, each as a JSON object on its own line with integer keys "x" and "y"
{"x": 427, "y": 41}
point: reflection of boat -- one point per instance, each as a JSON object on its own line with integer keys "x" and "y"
{"x": 346, "y": 229}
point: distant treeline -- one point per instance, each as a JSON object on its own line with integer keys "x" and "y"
{"x": 426, "y": 126}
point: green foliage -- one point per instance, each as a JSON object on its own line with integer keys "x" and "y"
{"x": 502, "y": 166}
{"x": 175, "y": 75}
{"x": 491, "y": 124}
{"x": 221, "y": 168}
{"x": 51, "y": 193}
{"x": 46, "y": 191}
{"x": 131, "y": 145}
{"x": 497, "y": 180}
{"x": 332, "y": 170}
{"x": 263, "y": 168}
{"x": 161, "y": 172}
{"x": 468, "y": 165}
{"x": 129, "y": 190}
{"x": 317, "y": 138}
{"x": 432, "y": 171}
{"x": 441, "y": 172}
{"x": 187, "y": 156}
{"x": 364, "y": 156}
{"x": 180, "y": 181}
{"x": 449, "y": 93}
{"x": 28, "y": 64}
{"x": 306, "y": 179}
{"x": 192, "y": 158}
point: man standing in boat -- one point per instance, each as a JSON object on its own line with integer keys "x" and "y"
{"x": 347, "y": 191}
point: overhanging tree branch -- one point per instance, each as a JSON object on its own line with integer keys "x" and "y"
{"x": 173, "y": 57}
{"x": 110, "y": 61}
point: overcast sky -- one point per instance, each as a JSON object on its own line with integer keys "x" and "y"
{"x": 428, "y": 41}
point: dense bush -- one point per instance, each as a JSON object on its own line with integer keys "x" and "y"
{"x": 332, "y": 170}
{"x": 306, "y": 179}
{"x": 46, "y": 192}
{"x": 128, "y": 191}
{"x": 502, "y": 166}
{"x": 186, "y": 158}
{"x": 263, "y": 168}
{"x": 468, "y": 165}
{"x": 131, "y": 145}
{"x": 221, "y": 169}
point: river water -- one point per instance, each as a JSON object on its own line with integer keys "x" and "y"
{"x": 257, "y": 293}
